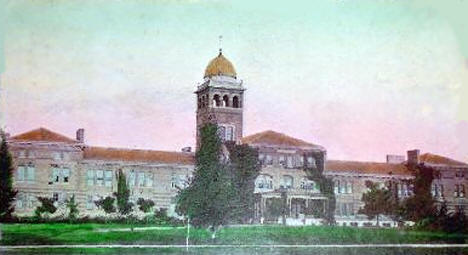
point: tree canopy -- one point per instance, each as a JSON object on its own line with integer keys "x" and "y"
{"x": 7, "y": 192}
{"x": 377, "y": 201}
{"x": 207, "y": 199}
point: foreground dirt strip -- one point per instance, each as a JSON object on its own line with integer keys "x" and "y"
{"x": 7, "y": 247}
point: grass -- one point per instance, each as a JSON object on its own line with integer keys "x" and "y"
{"x": 216, "y": 251}
{"x": 61, "y": 233}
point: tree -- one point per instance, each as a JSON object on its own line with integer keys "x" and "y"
{"x": 244, "y": 169}
{"x": 47, "y": 206}
{"x": 123, "y": 195}
{"x": 145, "y": 205}
{"x": 421, "y": 205}
{"x": 107, "y": 204}
{"x": 325, "y": 184}
{"x": 72, "y": 208}
{"x": 7, "y": 192}
{"x": 377, "y": 201}
{"x": 207, "y": 199}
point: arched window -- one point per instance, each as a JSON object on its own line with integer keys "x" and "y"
{"x": 199, "y": 102}
{"x": 216, "y": 101}
{"x": 225, "y": 101}
{"x": 235, "y": 102}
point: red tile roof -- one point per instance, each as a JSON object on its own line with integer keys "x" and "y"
{"x": 270, "y": 137}
{"x": 170, "y": 157}
{"x": 366, "y": 167}
{"x": 437, "y": 159}
{"x": 43, "y": 135}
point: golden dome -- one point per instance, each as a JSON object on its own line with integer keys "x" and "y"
{"x": 220, "y": 66}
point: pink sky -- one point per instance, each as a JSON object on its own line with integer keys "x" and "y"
{"x": 363, "y": 85}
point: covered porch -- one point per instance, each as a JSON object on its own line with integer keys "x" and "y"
{"x": 298, "y": 207}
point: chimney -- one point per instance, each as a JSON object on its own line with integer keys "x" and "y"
{"x": 413, "y": 157}
{"x": 187, "y": 149}
{"x": 80, "y": 135}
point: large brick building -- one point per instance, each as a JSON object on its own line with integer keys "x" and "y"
{"x": 53, "y": 165}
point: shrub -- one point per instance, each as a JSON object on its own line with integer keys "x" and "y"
{"x": 145, "y": 205}
{"x": 107, "y": 204}
{"x": 72, "y": 208}
{"x": 47, "y": 206}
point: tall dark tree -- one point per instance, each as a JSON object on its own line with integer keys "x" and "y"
{"x": 124, "y": 206}
{"x": 377, "y": 201}
{"x": 245, "y": 168}
{"x": 7, "y": 192}
{"x": 420, "y": 205}
{"x": 207, "y": 199}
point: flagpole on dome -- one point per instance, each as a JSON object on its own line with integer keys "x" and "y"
{"x": 220, "y": 39}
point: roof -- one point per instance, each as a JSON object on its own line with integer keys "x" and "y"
{"x": 366, "y": 167}
{"x": 220, "y": 66}
{"x": 270, "y": 137}
{"x": 43, "y": 135}
{"x": 437, "y": 159}
{"x": 170, "y": 157}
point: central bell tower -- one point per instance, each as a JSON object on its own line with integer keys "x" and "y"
{"x": 220, "y": 100}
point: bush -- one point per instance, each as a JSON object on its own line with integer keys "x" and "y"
{"x": 107, "y": 204}
{"x": 145, "y": 205}
{"x": 47, "y": 206}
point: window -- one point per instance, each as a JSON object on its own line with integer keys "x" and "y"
{"x": 19, "y": 201}
{"x": 225, "y": 101}
{"x": 55, "y": 175}
{"x": 343, "y": 187}
{"x": 311, "y": 161}
{"x": 30, "y": 200}
{"x": 89, "y": 202}
{"x": 349, "y": 187}
{"x": 226, "y": 132}
{"x": 282, "y": 160}
{"x": 230, "y": 133}
{"x": 299, "y": 161}
{"x": 66, "y": 175}
{"x": 308, "y": 185}
{"x": 141, "y": 179}
{"x": 261, "y": 158}
{"x": 173, "y": 181}
{"x": 235, "y": 102}
{"x": 216, "y": 101}
{"x": 289, "y": 161}
{"x": 55, "y": 196}
{"x": 31, "y": 173}
{"x": 108, "y": 178}
{"x": 269, "y": 160}
{"x": 90, "y": 177}
{"x": 99, "y": 177}
{"x": 131, "y": 179}
{"x": 287, "y": 181}
{"x": 56, "y": 156}
{"x": 337, "y": 187}
{"x": 20, "y": 173}
{"x": 264, "y": 182}
{"x": 222, "y": 132}
{"x": 149, "y": 180}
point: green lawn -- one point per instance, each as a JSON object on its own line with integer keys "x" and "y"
{"x": 59, "y": 233}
